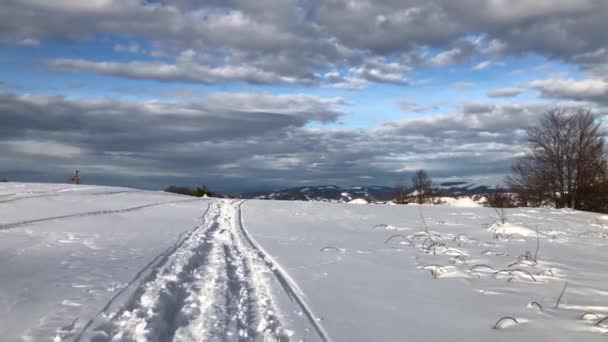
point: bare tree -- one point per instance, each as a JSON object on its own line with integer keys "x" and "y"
{"x": 423, "y": 186}
{"x": 75, "y": 179}
{"x": 400, "y": 195}
{"x": 566, "y": 162}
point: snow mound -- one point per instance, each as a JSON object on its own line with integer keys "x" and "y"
{"x": 358, "y": 201}
{"x": 508, "y": 229}
{"x": 462, "y": 202}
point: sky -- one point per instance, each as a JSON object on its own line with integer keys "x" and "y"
{"x": 248, "y": 95}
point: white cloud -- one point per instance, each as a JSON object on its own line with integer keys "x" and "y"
{"x": 29, "y": 42}
{"x": 482, "y": 66}
{"x": 291, "y": 41}
{"x": 447, "y": 57}
{"x": 506, "y": 92}
{"x": 568, "y": 88}
{"x": 382, "y": 71}
{"x": 410, "y": 106}
{"x": 130, "y": 48}
{"x": 44, "y": 148}
{"x": 338, "y": 81}
{"x": 184, "y": 71}
{"x": 463, "y": 85}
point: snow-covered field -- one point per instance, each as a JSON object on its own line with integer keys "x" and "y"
{"x": 91, "y": 263}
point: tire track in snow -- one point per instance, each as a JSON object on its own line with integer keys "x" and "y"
{"x": 89, "y": 213}
{"x": 288, "y": 284}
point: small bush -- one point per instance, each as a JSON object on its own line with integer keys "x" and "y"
{"x": 499, "y": 198}
{"x": 198, "y": 192}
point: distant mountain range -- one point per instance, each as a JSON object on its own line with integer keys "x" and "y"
{"x": 333, "y": 193}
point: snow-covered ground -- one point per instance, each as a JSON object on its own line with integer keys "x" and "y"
{"x": 463, "y": 202}
{"x": 94, "y": 263}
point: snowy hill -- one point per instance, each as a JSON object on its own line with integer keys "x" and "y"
{"x": 327, "y": 193}
{"x": 461, "y": 188}
{"x": 87, "y": 263}
{"x": 333, "y": 193}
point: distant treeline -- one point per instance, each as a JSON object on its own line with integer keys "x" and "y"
{"x": 201, "y": 191}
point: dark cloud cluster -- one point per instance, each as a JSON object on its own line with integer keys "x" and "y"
{"x": 227, "y": 139}
{"x": 113, "y": 126}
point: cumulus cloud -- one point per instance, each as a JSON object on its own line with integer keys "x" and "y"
{"x": 482, "y": 65}
{"x": 34, "y": 148}
{"x": 130, "y": 48}
{"x": 463, "y": 85}
{"x": 336, "y": 80}
{"x": 447, "y": 57}
{"x": 410, "y": 106}
{"x": 290, "y": 41}
{"x": 165, "y": 72}
{"x": 29, "y": 42}
{"x": 381, "y": 71}
{"x": 506, "y": 92}
{"x": 462, "y": 49}
{"x": 582, "y": 90}
{"x": 478, "y": 108}
{"x": 486, "y": 122}
{"x": 240, "y": 40}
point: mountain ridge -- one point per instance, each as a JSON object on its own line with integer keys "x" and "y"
{"x": 373, "y": 193}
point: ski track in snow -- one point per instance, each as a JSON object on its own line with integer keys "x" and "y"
{"x": 90, "y": 213}
{"x": 289, "y": 285}
{"x": 213, "y": 285}
{"x": 54, "y": 193}
{"x": 48, "y": 193}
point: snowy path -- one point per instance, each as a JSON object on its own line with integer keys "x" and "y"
{"x": 217, "y": 284}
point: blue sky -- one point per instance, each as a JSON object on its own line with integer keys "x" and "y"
{"x": 241, "y": 97}
{"x": 442, "y": 89}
